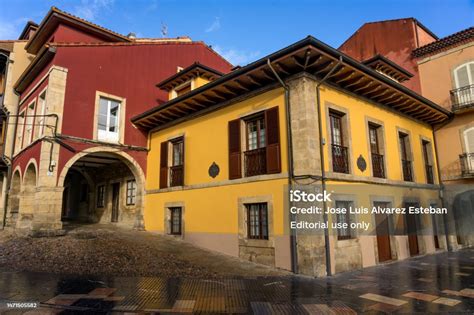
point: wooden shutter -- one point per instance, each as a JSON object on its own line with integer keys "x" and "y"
{"x": 164, "y": 165}
{"x": 273, "y": 141}
{"x": 234, "y": 150}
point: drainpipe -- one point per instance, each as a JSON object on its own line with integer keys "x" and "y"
{"x": 293, "y": 244}
{"x": 441, "y": 186}
{"x": 323, "y": 171}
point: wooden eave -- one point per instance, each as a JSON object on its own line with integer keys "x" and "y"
{"x": 309, "y": 56}
{"x": 34, "y": 68}
{"x": 193, "y": 71}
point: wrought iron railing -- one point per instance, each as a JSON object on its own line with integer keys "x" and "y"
{"x": 407, "y": 171}
{"x": 177, "y": 175}
{"x": 255, "y": 162}
{"x": 429, "y": 174}
{"x": 378, "y": 168}
{"x": 467, "y": 164}
{"x": 462, "y": 98}
{"x": 340, "y": 159}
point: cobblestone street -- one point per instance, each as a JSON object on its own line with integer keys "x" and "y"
{"x": 440, "y": 283}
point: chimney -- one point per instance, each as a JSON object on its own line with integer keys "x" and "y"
{"x": 132, "y": 35}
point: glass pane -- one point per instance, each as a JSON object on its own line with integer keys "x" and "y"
{"x": 252, "y": 135}
{"x": 462, "y": 76}
{"x": 114, "y": 113}
{"x": 262, "y": 133}
{"x": 102, "y": 119}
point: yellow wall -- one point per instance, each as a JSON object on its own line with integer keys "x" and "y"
{"x": 358, "y": 109}
{"x": 206, "y": 141}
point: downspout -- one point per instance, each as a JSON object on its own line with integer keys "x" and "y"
{"x": 441, "y": 186}
{"x": 293, "y": 250}
{"x": 323, "y": 171}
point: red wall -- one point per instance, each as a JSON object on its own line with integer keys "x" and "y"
{"x": 393, "y": 39}
{"x": 67, "y": 34}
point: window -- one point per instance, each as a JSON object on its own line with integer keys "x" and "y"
{"x": 426, "y": 146}
{"x": 467, "y": 159}
{"x": 30, "y": 118}
{"x": 101, "y": 196}
{"x": 175, "y": 220}
{"x": 378, "y": 169}
{"x": 131, "y": 192}
{"x": 177, "y": 163}
{"x": 405, "y": 156}
{"x": 344, "y": 233}
{"x": 255, "y": 155}
{"x": 41, "y": 111}
{"x": 259, "y": 145}
{"x": 21, "y": 125}
{"x": 464, "y": 75}
{"x": 340, "y": 159}
{"x": 108, "y": 120}
{"x": 257, "y": 221}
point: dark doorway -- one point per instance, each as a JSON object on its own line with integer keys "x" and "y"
{"x": 383, "y": 234}
{"x": 115, "y": 201}
{"x": 411, "y": 230}
{"x": 65, "y": 202}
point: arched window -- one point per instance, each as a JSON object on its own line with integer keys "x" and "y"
{"x": 469, "y": 140}
{"x": 467, "y": 161}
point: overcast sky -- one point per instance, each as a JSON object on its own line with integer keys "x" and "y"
{"x": 243, "y": 31}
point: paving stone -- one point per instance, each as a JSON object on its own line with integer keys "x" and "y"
{"x": 318, "y": 309}
{"x": 447, "y": 301}
{"x": 421, "y": 296}
{"x": 383, "y": 299}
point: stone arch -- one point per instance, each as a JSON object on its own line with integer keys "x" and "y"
{"x": 127, "y": 160}
{"x": 28, "y": 191}
{"x": 30, "y": 177}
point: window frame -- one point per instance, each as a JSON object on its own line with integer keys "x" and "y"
{"x": 468, "y": 64}
{"x": 348, "y": 203}
{"x": 172, "y": 211}
{"x": 131, "y": 192}
{"x": 121, "y": 123}
{"x": 263, "y": 229}
{"x": 41, "y": 106}
{"x": 100, "y": 202}
{"x": 259, "y": 119}
{"x": 29, "y": 122}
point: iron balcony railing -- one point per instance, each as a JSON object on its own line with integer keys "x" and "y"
{"x": 429, "y": 174}
{"x": 177, "y": 175}
{"x": 255, "y": 162}
{"x": 462, "y": 98}
{"x": 407, "y": 173}
{"x": 467, "y": 164}
{"x": 378, "y": 165}
{"x": 340, "y": 159}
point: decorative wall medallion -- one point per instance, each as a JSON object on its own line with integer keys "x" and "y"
{"x": 361, "y": 163}
{"x": 214, "y": 170}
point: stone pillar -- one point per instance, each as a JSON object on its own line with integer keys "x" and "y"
{"x": 48, "y": 199}
{"x": 306, "y": 161}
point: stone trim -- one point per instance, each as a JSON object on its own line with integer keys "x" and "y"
{"x": 381, "y": 137}
{"x": 123, "y": 105}
{"x": 381, "y": 181}
{"x": 167, "y": 218}
{"x": 243, "y": 180}
{"x": 40, "y": 81}
{"x": 410, "y": 152}
{"x": 431, "y": 158}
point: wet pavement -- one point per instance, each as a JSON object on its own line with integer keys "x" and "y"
{"x": 440, "y": 283}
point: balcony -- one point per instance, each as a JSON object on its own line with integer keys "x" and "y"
{"x": 177, "y": 175}
{"x": 429, "y": 174}
{"x": 407, "y": 173}
{"x": 462, "y": 98}
{"x": 378, "y": 165}
{"x": 255, "y": 162}
{"x": 340, "y": 160}
{"x": 467, "y": 164}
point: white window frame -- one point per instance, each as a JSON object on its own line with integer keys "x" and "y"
{"x": 131, "y": 192}
{"x": 106, "y": 135}
{"x": 469, "y": 76}
{"x": 20, "y": 132}
{"x": 30, "y": 121}
{"x": 111, "y": 137}
{"x": 41, "y": 105}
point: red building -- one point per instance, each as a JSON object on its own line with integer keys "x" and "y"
{"x": 394, "y": 40}
{"x": 77, "y": 156}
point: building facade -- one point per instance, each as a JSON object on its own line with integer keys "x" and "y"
{"x": 306, "y": 116}
{"x": 77, "y": 157}
{"x": 446, "y": 69}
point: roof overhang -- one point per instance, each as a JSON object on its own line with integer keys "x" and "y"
{"x": 56, "y": 17}
{"x": 388, "y": 67}
{"x": 34, "y": 68}
{"x": 194, "y": 70}
{"x": 308, "y": 55}
{"x": 30, "y": 26}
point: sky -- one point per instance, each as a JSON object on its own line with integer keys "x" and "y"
{"x": 243, "y": 31}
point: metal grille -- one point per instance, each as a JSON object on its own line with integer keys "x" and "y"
{"x": 407, "y": 173}
{"x": 467, "y": 164}
{"x": 378, "y": 165}
{"x": 176, "y": 175}
{"x": 340, "y": 161}
{"x": 462, "y": 98}
{"x": 255, "y": 162}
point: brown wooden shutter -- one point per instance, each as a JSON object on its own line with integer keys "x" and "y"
{"x": 234, "y": 150}
{"x": 273, "y": 140}
{"x": 164, "y": 165}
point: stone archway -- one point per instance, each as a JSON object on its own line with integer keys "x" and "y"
{"x": 27, "y": 200}
{"x": 14, "y": 199}
{"x": 114, "y": 190}
{"x": 463, "y": 206}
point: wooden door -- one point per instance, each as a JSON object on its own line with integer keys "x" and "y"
{"x": 412, "y": 232}
{"x": 383, "y": 235}
{"x": 115, "y": 201}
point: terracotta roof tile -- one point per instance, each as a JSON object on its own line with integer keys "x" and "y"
{"x": 458, "y": 38}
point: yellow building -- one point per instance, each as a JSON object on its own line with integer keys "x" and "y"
{"x": 224, "y": 155}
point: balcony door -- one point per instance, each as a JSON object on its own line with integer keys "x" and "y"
{"x": 464, "y": 80}
{"x": 468, "y": 166}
